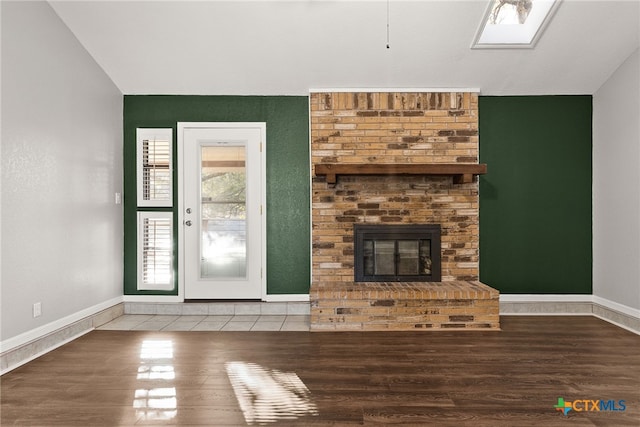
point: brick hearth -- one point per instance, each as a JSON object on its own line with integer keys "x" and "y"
{"x": 382, "y": 306}
{"x": 396, "y": 129}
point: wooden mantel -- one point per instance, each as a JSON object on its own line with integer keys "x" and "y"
{"x": 462, "y": 172}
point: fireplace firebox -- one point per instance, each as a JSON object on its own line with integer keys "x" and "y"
{"x": 397, "y": 253}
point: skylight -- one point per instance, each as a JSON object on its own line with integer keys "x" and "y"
{"x": 514, "y": 23}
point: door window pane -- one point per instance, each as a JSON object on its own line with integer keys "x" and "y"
{"x": 223, "y": 211}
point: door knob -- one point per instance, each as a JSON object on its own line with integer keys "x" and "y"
{"x": 188, "y": 223}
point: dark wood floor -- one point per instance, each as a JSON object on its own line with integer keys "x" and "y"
{"x": 509, "y": 378}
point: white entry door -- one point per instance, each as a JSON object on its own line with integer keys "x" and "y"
{"x": 222, "y": 210}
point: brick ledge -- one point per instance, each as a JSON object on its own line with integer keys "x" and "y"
{"x": 423, "y": 306}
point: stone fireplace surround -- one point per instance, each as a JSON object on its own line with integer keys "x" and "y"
{"x": 396, "y": 128}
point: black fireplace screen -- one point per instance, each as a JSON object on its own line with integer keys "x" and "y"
{"x": 407, "y": 253}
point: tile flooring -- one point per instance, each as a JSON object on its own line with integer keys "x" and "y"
{"x": 148, "y": 322}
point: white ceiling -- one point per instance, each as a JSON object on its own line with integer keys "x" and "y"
{"x": 288, "y": 47}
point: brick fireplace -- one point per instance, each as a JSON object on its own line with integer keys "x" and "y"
{"x": 389, "y": 130}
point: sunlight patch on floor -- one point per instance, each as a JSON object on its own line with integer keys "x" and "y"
{"x": 268, "y": 395}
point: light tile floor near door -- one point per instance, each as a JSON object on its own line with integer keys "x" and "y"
{"x": 148, "y": 322}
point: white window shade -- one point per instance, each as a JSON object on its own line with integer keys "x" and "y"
{"x": 155, "y": 251}
{"x": 154, "y": 168}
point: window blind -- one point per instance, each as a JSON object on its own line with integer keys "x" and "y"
{"x": 154, "y": 167}
{"x": 155, "y": 250}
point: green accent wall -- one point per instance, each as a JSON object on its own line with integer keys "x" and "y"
{"x": 287, "y": 158}
{"x": 535, "y": 200}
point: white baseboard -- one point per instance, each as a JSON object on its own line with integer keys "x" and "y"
{"x": 287, "y": 298}
{"x": 39, "y": 332}
{"x": 175, "y": 298}
{"x": 545, "y": 298}
{"x": 152, "y": 298}
{"x": 23, "y": 348}
{"x": 571, "y": 305}
{"x": 34, "y": 356}
{"x": 630, "y": 311}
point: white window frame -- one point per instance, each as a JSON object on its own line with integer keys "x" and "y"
{"x": 142, "y": 135}
{"x": 515, "y": 36}
{"x": 156, "y": 286}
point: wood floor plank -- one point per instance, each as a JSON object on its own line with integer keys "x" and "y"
{"x": 509, "y": 378}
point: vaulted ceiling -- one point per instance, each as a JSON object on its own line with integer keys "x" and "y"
{"x": 288, "y": 47}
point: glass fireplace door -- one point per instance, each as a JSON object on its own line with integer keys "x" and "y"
{"x": 397, "y": 257}
{"x": 397, "y": 253}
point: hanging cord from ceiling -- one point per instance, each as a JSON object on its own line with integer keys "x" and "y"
{"x": 388, "y": 24}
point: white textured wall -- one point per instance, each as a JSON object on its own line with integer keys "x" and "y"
{"x": 616, "y": 186}
{"x": 61, "y": 165}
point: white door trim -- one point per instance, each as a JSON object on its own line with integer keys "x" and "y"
{"x": 262, "y": 126}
